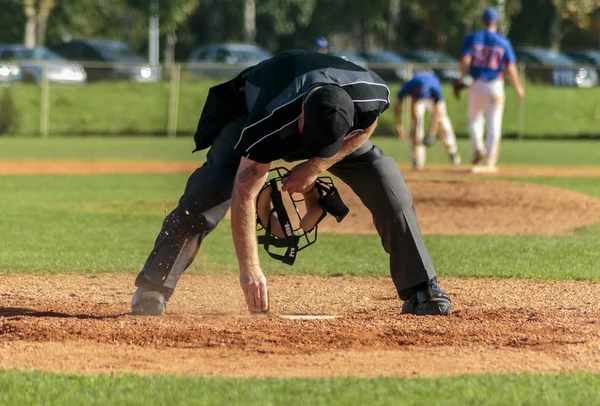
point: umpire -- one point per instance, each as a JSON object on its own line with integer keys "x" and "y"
{"x": 298, "y": 105}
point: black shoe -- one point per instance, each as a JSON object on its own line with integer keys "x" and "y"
{"x": 455, "y": 159}
{"x": 148, "y": 302}
{"x": 428, "y": 140}
{"x": 477, "y": 157}
{"x": 430, "y": 301}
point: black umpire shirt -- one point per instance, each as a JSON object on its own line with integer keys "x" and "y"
{"x": 274, "y": 91}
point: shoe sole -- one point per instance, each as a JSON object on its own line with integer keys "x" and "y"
{"x": 484, "y": 169}
{"x": 149, "y": 304}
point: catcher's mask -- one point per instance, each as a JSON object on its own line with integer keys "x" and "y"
{"x": 280, "y": 230}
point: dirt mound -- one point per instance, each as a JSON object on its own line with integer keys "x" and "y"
{"x": 78, "y": 323}
{"x": 481, "y": 207}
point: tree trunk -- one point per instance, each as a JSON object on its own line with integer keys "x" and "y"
{"x": 394, "y": 16}
{"x": 249, "y": 21}
{"x": 45, "y": 8}
{"x": 555, "y": 35}
{"x": 170, "y": 51}
{"x": 42, "y": 26}
{"x": 30, "y": 25}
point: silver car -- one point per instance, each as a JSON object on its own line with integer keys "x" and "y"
{"x": 225, "y": 60}
{"x": 34, "y": 61}
{"x": 9, "y": 73}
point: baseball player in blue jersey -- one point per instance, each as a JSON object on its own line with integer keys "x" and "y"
{"x": 485, "y": 56}
{"x": 425, "y": 92}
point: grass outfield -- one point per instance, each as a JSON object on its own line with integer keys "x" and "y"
{"x": 527, "y": 152}
{"x": 34, "y": 388}
{"x": 127, "y": 108}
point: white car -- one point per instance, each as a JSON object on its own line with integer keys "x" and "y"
{"x": 33, "y": 61}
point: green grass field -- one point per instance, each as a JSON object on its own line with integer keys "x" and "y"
{"x": 126, "y": 108}
{"x": 34, "y": 388}
{"x": 527, "y": 152}
{"x": 107, "y": 223}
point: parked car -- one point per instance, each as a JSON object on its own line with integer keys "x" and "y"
{"x": 32, "y": 62}
{"x": 589, "y": 56}
{"x": 9, "y": 73}
{"x": 388, "y": 65}
{"x": 351, "y": 56}
{"x": 108, "y": 60}
{"x": 443, "y": 65}
{"x": 586, "y": 57}
{"x": 555, "y": 68}
{"x": 225, "y": 60}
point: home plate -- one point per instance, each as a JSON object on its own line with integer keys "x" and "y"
{"x": 308, "y": 316}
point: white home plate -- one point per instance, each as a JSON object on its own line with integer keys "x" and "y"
{"x": 307, "y": 316}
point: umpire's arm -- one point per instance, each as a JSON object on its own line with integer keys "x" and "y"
{"x": 303, "y": 176}
{"x": 250, "y": 178}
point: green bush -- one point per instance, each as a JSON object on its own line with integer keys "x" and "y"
{"x": 10, "y": 116}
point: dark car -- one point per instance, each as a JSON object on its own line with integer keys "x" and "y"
{"x": 225, "y": 60}
{"x": 586, "y": 57}
{"x": 108, "y": 60}
{"x": 33, "y": 62}
{"x": 554, "y": 68}
{"x": 443, "y": 65}
{"x": 388, "y": 65}
{"x": 351, "y": 56}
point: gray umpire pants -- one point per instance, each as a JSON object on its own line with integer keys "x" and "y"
{"x": 372, "y": 175}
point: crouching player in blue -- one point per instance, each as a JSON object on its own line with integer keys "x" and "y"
{"x": 425, "y": 92}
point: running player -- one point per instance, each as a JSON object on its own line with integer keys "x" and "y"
{"x": 426, "y": 94}
{"x": 485, "y": 55}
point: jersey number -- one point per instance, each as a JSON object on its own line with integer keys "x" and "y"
{"x": 487, "y": 57}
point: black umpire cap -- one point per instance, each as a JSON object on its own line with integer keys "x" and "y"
{"x": 328, "y": 116}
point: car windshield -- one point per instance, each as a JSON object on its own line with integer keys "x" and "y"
{"x": 250, "y": 54}
{"x": 385, "y": 56}
{"x": 553, "y": 58}
{"x": 430, "y": 56}
{"x": 594, "y": 55}
{"x": 349, "y": 55}
{"x": 118, "y": 51}
{"x": 36, "y": 54}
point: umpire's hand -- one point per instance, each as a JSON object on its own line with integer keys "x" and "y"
{"x": 254, "y": 285}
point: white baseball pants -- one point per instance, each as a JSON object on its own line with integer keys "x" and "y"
{"x": 417, "y": 129}
{"x": 486, "y": 97}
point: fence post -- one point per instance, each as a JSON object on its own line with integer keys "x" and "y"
{"x": 521, "y": 104}
{"x": 44, "y": 103}
{"x": 409, "y": 68}
{"x": 174, "y": 100}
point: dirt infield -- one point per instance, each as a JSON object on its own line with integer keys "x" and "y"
{"x": 69, "y": 167}
{"x": 80, "y": 324}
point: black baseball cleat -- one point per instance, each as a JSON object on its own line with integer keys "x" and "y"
{"x": 455, "y": 159}
{"x": 148, "y": 302}
{"x": 477, "y": 157}
{"x": 430, "y": 301}
{"x": 428, "y": 140}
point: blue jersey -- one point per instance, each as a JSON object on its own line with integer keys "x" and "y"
{"x": 424, "y": 85}
{"x": 489, "y": 52}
